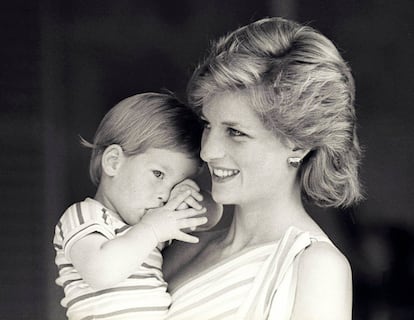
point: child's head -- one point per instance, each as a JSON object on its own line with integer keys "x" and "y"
{"x": 144, "y": 121}
{"x": 144, "y": 146}
{"x": 130, "y": 185}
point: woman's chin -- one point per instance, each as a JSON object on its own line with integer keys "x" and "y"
{"x": 222, "y": 197}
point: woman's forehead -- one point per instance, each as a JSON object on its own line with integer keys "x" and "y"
{"x": 230, "y": 107}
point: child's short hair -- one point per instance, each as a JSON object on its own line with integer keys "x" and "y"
{"x": 143, "y": 121}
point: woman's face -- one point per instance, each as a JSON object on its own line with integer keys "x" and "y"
{"x": 248, "y": 164}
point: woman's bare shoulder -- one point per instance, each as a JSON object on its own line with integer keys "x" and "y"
{"x": 324, "y": 289}
{"x": 324, "y": 255}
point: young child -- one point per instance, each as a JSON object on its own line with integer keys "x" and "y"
{"x": 108, "y": 249}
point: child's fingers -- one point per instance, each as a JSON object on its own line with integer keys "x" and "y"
{"x": 183, "y": 205}
{"x": 194, "y": 192}
{"x": 175, "y": 201}
{"x": 196, "y": 195}
{"x": 191, "y": 223}
{"x": 188, "y": 213}
{"x": 186, "y": 237}
{"x": 190, "y": 183}
{"x": 191, "y": 202}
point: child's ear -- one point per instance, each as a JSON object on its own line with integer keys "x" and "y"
{"x": 112, "y": 159}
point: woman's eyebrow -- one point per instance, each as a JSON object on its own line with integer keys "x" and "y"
{"x": 231, "y": 124}
{"x": 226, "y": 123}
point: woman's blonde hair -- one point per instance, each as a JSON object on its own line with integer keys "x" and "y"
{"x": 143, "y": 121}
{"x": 302, "y": 90}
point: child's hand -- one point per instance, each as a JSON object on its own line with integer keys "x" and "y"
{"x": 167, "y": 221}
{"x": 193, "y": 200}
{"x": 214, "y": 211}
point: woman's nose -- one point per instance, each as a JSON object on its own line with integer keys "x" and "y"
{"x": 212, "y": 146}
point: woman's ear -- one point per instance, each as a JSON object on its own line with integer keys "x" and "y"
{"x": 296, "y": 156}
{"x": 300, "y": 153}
{"x": 112, "y": 159}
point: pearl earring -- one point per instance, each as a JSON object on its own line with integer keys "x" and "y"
{"x": 294, "y": 161}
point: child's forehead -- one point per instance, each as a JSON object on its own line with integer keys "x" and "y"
{"x": 173, "y": 159}
{"x": 179, "y": 165}
{"x": 165, "y": 153}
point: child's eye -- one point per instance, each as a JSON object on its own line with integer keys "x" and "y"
{"x": 235, "y": 133}
{"x": 158, "y": 174}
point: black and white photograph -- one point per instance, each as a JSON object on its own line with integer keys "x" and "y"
{"x": 209, "y": 160}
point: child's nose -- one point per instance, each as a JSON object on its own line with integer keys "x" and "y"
{"x": 163, "y": 196}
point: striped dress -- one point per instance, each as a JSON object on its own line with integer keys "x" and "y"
{"x": 257, "y": 283}
{"x": 142, "y": 296}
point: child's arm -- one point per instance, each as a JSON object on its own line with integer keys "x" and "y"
{"x": 103, "y": 263}
{"x": 199, "y": 198}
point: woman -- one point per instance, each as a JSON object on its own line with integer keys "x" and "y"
{"x": 277, "y": 101}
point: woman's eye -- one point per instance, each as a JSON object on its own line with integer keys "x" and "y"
{"x": 158, "y": 174}
{"x": 235, "y": 133}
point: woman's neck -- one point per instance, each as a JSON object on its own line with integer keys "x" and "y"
{"x": 264, "y": 221}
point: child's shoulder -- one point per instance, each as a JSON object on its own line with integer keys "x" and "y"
{"x": 84, "y": 210}
{"x": 76, "y": 206}
{"x": 86, "y": 217}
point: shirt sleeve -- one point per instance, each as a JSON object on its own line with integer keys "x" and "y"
{"x": 82, "y": 219}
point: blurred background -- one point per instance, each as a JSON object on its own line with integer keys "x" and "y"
{"x": 65, "y": 63}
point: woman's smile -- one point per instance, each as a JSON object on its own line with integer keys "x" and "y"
{"x": 223, "y": 174}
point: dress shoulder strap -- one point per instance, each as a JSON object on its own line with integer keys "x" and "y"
{"x": 319, "y": 237}
{"x": 258, "y": 303}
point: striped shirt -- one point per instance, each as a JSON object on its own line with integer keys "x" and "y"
{"x": 257, "y": 283}
{"x": 142, "y": 296}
